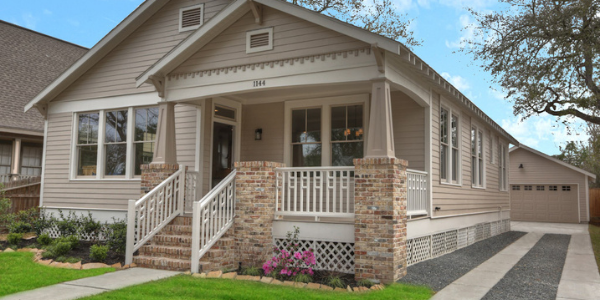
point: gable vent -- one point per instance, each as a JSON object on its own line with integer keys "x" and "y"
{"x": 259, "y": 40}
{"x": 191, "y": 17}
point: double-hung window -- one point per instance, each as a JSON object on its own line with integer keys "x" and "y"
{"x": 503, "y": 182}
{"x": 87, "y": 144}
{"x": 477, "y": 161}
{"x": 115, "y": 141}
{"x": 449, "y": 146}
{"x": 31, "y": 159}
{"x": 5, "y": 157}
{"x": 306, "y": 137}
{"x": 346, "y": 134}
{"x": 146, "y": 121}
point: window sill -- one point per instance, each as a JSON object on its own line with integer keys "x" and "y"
{"x": 478, "y": 187}
{"x": 450, "y": 184}
{"x": 105, "y": 180}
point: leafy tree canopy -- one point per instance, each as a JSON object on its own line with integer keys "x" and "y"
{"x": 378, "y": 16}
{"x": 545, "y": 53}
{"x": 585, "y": 155}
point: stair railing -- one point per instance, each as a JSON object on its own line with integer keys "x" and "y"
{"x": 148, "y": 215}
{"x": 213, "y": 215}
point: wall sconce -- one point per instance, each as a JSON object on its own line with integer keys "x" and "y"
{"x": 258, "y": 134}
{"x": 521, "y": 166}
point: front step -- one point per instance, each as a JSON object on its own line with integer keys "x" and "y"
{"x": 170, "y": 249}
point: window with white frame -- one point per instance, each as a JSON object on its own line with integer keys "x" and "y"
{"x": 31, "y": 159}
{"x": 492, "y": 156}
{"x": 5, "y": 157}
{"x": 477, "y": 161}
{"x": 115, "y": 143}
{"x": 87, "y": 144}
{"x": 449, "y": 146}
{"x": 146, "y": 122}
{"x": 306, "y": 137}
{"x": 503, "y": 174}
{"x": 346, "y": 134}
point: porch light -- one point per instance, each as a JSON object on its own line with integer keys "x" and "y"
{"x": 258, "y": 134}
{"x": 521, "y": 166}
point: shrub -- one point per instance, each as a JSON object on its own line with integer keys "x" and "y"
{"x": 14, "y": 238}
{"x": 73, "y": 240}
{"x": 67, "y": 225}
{"x": 48, "y": 254}
{"x": 365, "y": 282}
{"x": 291, "y": 262}
{"x": 116, "y": 236}
{"x": 98, "y": 253}
{"x": 335, "y": 281}
{"x": 303, "y": 278}
{"x": 90, "y": 227}
{"x": 44, "y": 239}
{"x": 20, "y": 227}
{"x": 65, "y": 259}
{"x": 252, "y": 271}
{"x": 60, "y": 248}
{"x": 43, "y": 222}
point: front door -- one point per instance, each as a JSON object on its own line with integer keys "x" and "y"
{"x": 222, "y": 152}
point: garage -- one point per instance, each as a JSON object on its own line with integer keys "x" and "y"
{"x": 544, "y": 203}
{"x": 545, "y": 189}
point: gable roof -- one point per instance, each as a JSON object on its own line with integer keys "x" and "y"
{"x": 558, "y": 161}
{"x": 29, "y": 61}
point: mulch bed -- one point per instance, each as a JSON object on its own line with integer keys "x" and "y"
{"x": 82, "y": 252}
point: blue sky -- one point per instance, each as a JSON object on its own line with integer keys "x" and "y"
{"x": 439, "y": 23}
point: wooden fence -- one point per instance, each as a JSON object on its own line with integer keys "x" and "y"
{"x": 24, "y": 194}
{"x": 594, "y": 203}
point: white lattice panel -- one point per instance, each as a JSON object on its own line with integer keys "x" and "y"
{"x": 494, "y": 228}
{"x": 54, "y": 233}
{"x": 487, "y": 230}
{"x": 472, "y": 232}
{"x": 451, "y": 240}
{"x": 418, "y": 249}
{"x": 438, "y": 244}
{"x": 330, "y": 256}
{"x": 479, "y": 232}
{"x": 462, "y": 238}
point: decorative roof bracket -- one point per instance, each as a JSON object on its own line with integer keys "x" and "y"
{"x": 257, "y": 11}
{"x": 379, "y": 58}
{"x": 159, "y": 84}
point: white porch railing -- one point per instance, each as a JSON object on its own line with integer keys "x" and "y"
{"x": 4, "y": 178}
{"x": 417, "y": 192}
{"x": 147, "y": 216}
{"x": 315, "y": 191}
{"x": 191, "y": 189}
{"x": 213, "y": 216}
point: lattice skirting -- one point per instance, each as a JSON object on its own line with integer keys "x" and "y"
{"x": 425, "y": 247}
{"x": 330, "y": 256}
{"x": 54, "y": 232}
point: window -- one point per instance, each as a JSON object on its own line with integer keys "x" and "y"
{"x": 191, "y": 17}
{"x": 539, "y": 188}
{"x": 449, "y": 146}
{"x": 5, "y": 157}
{"x": 146, "y": 121}
{"x": 527, "y": 188}
{"x": 87, "y": 144}
{"x": 115, "y": 141}
{"x": 516, "y": 187}
{"x": 553, "y": 188}
{"x": 225, "y": 113}
{"x": 347, "y": 134}
{"x": 31, "y": 159}
{"x": 503, "y": 174}
{"x": 259, "y": 40}
{"x": 306, "y": 137}
{"x": 492, "y": 154}
{"x": 477, "y": 167}
{"x": 566, "y": 188}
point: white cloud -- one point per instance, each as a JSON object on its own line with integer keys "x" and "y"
{"x": 539, "y": 130}
{"x": 460, "y": 4}
{"x": 457, "y": 81}
{"x": 424, "y": 3}
{"x": 29, "y": 20}
{"x": 467, "y": 33}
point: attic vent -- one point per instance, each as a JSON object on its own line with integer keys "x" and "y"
{"x": 191, "y": 17}
{"x": 259, "y": 40}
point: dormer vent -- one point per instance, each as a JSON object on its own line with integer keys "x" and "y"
{"x": 191, "y": 17}
{"x": 259, "y": 40}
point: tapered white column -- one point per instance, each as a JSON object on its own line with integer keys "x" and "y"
{"x": 380, "y": 140}
{"x": 16, "y": 163}
{"x": 165, "y": 151}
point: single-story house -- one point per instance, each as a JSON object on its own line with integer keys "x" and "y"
{"x": 229, "y": 122}
{"x": 29, "y": 61}
{"x": 545, "y": 189}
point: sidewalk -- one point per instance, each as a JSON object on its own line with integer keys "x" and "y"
{"x": 93, "y": 285}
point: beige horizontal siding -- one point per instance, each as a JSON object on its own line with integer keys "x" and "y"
{"x": 269, "y": 117}
{"x": 409, "y": 120}
{"x": 539, "y": 170}
{"x": 185, "y": 135}
{"x": 115, "y": 74}
{"x": 464, "y": 199}
{"x": 60, "y": 192}
{"x": 292, "y": 37}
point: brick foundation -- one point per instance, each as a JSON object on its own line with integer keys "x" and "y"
{"x": 154, "y": 174}
{"x": 255, "y": 210}
{"x": 380, "y": 219}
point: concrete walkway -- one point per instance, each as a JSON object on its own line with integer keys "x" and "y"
{"x": 580, "y": 279}
{"x": 93, "y": 285}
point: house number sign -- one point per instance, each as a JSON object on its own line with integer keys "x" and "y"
{"x": 259, "y": 83}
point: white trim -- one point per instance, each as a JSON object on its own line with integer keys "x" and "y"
{"x": 426, "y": 226}
{"x": 505, "y": 187}
{"x": 181, "y": 10}
{"x": 587, "y": 197}
{"x": 251, "y": 33}
{"x": 198, "y": 144}
{"x": 428, "y": 139}
{"x": 43, "y": 163}
{"x": 452, "y": 110}
{"x": 102, "y": 215}
{"x": 552, "y": 159}
{"x": 325, "y": 121}
{"x": 134, "y": 100}
{"x": 130, "y": 153}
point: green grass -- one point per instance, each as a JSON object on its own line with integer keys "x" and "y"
{"x": 187, "y": 287}
{"x": 595, "y": 236}
{"x": 19, "y": 273}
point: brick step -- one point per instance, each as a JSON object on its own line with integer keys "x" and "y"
{"x": 160, "y": 239}
{"x": 163, "y": 263}
{"x": 177, "y": 252}
{"x": 182, "y": 220}
{"x": 177, "y": 230}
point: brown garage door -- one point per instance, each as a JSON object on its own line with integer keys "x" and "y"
{"x": 544, "y": 203}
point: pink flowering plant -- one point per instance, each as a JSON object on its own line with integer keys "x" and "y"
{"x": 290, "y": 262}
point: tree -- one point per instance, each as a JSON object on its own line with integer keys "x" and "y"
{"x": 545, "y": 54}
{"x": 585, "y": 155}
{"x": 378, "y": 16}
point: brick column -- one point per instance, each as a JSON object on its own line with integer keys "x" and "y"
{"x": 380, "y": 219}
{"x": 154, "y": 174}
{"x": 255, "y": 210}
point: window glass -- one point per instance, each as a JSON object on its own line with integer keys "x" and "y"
{"x": 306, "y": 155}
{"x": 527, "y": 187}
{"x": 443, "y": 144}
{"x": 539, "y": 188}
{"x": 346, "y": 134}
{"x": 146, "y": 122}
{"x": 566, "y": 188}
{"x": 31, "y": 159}
{"x": 87, "y": 144}
{"x": 224, "y": 112}
{"x": 553, "y": 188}
{"x": 5, "y": 157}
{"x": 516, "y": 187}
{"x": 116, "y": 143}
{"x": 306, "y": 137}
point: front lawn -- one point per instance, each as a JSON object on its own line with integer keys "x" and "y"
{"x": 595, "y": 236}
{"x": 188, "y": 287}
{"x": 18, "y": 272}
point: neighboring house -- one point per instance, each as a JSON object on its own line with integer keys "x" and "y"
{"x": 29, "y": 61}
{"x": 269, "y": 107}
{"x": 545, "y": 189}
